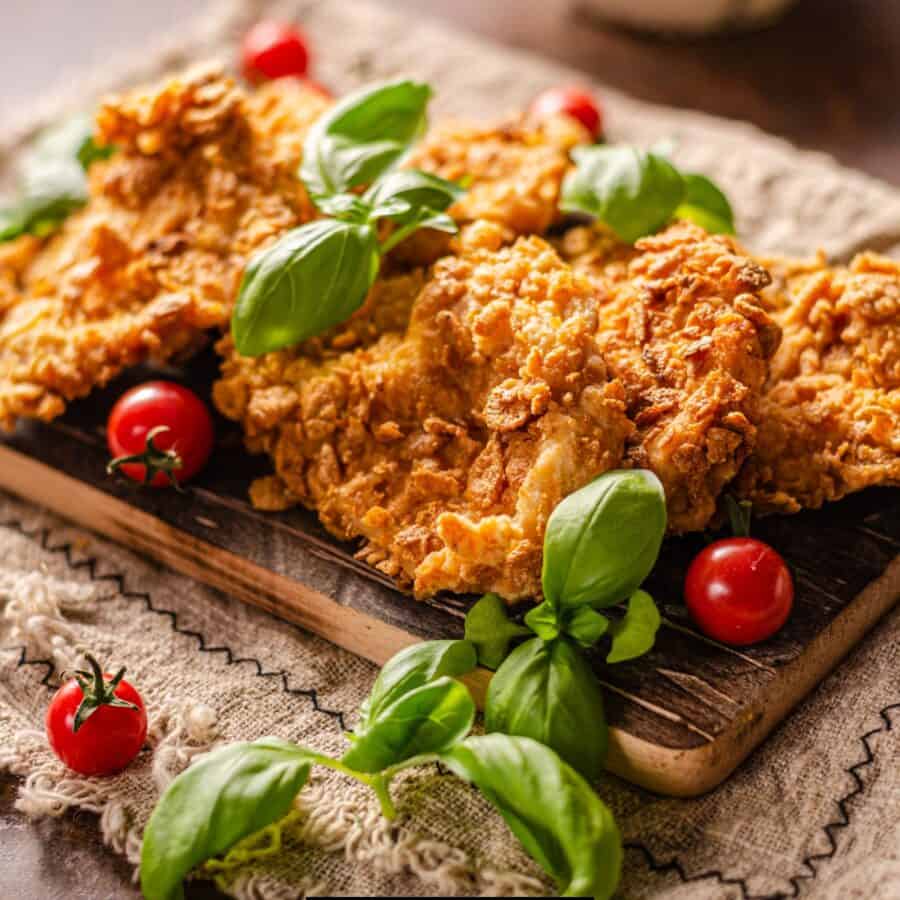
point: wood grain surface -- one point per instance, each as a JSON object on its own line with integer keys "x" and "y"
{"x": 825, "y": 77}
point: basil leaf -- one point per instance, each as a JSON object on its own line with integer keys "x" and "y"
{"x": 586, "y": 626}
{"x": 52, "y": 181}
{"x": 224, "y": 796}
{"x": 411, "y": 668}
{"x": 547, "y": 691}
{"x": 348, "y": 207}
{"x": 310, "y": 279}
{"x": 704, "y": 204}
{"x": 426, "y": 720}
{"x": 13, "y": 223}
{"x": 361, "y": 137}
{"x": 418, "y": 190}
{"x": 559, "y": 819}
{"x": 633, "y": 192}
{"x": 490, "y": 630}
{"x": 602, "y": 541}
{"x": 633, "y": 635}
{"x": 72, "y": 140}
{"x": 544, "y": 621}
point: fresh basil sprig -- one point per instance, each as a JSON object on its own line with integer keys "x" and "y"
{"x": 362, "y": 136}
{"x": 601, "y": 542}
{"x": 550, "y": 808}
{"x": 547, "y": 691}
{"x": 415, "y": 714}
{"x": 52, "y": 181}
{"x": 490, "y": 630}
{"x": 318, "y": 275}
{"x": 312, "y": 278}
{"x": 637, "y": 192}
{"x": 223, "y": 797}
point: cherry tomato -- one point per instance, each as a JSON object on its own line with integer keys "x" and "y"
{"x": 273, "y": 50}
{"x": 96, "y": 723}
{"x": 570, "y": 101}
{"x": 163, "y": 426}
{"x": 739, "y": 591}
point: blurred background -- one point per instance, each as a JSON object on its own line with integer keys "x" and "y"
{"x": 823, "y": 73}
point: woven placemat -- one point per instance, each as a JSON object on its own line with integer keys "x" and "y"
{"x": 814, "y": 812}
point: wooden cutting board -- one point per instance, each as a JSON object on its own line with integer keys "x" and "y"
{"x": 682, "y": 717}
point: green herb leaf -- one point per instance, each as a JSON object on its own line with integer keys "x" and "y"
{"x": 551, "y": 809}
{"x": 704, "y": 204}
{"x": 586, "y": 626}
{"x": 52, "y": 181}
{"x": 223, "y": 797}
{"x": 71, "y": 140}
{"x": 411, "y": 668}
{"x": 633, "y": 192}
{"x": 426, "y": 720}
{"x": 547, "y": 691}
{"x": 490, "y": 630}
{"x": 634, "y": 635}
{"x": 363, "y": 136}
{"x": 543, "y": 620}
{"x": 417, "y": 190}
{"x": 602, "y": 541}
{"x": 348, "y": 207}
{"x": 310, "y": 279}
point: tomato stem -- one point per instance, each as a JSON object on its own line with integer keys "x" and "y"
{"x": 97, "y": 692}
{"x": 154, "y": 459}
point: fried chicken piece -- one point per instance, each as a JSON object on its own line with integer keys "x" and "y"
{"x": 831, "y": 412}
{"x": 203, "y": 176}
{"x": 681, "y": 324}
{"x": 447, "y": 443}
{"x": 513, "y": 173}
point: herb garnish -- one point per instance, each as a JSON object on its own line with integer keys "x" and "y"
{"x": 637, "y": 192}
{"x": 52, "y": 180}
{"x": 416, "y": 714}
{"x": 317, "y": 275}
{"x": 600, "y": 544}
{"x": 544, "y": 712}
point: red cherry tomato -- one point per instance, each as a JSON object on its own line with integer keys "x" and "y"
{"x": 110, "y": 736}
{"x": 180, "y": 451}
{"x": 273, "y": 50}
{"x": 570, "y": 101}
{"x": 739, "y": 591}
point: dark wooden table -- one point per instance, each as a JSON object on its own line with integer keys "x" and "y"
{"x": 825, "y": 77}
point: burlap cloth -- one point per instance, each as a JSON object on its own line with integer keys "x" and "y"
{"x": 813, "y": 813}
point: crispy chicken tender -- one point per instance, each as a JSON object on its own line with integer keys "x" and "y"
{"x": 513, "y": 172}
{"x": 447, "y": 443}
{"x": 681, "y": 324}
{"x": 831, "y": 413}
{"x": 203, "y": 176}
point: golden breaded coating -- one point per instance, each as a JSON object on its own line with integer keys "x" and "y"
{"x": 831, "y": 413}
{"x": 682, "y": 326}
{"x": 513, "y": 171}
{"x": 445, "y": 444}
{"x": 203, "y": 176}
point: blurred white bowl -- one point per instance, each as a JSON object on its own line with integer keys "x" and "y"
{"x": 688, "y": 16}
